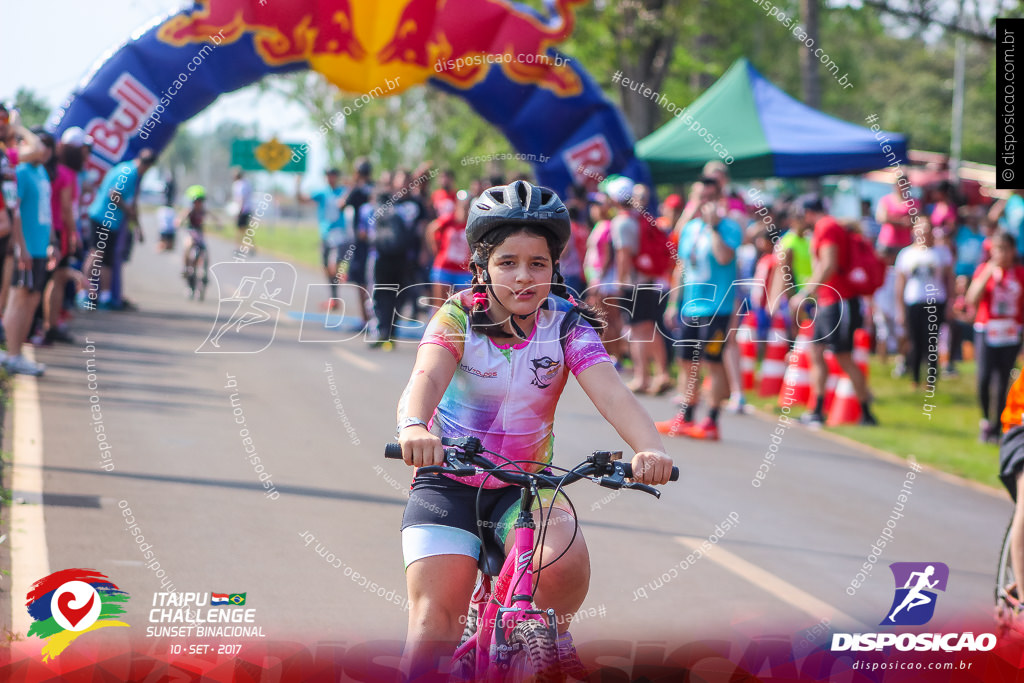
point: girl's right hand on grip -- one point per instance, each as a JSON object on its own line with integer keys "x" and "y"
{"x": 420, "y": 448}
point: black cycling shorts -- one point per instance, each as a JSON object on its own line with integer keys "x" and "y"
{"x": 648, "y": 304}
{"x": 1011, "y": 459}
{"x": 835, "y": 324}
{"x": 703, "y": 337}
{"x": 34, "y": 278}
{"x": 436, "y": 499}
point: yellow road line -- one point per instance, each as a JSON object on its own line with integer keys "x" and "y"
{"x": 766, "y": 581}
{"x": 356, "y": 360}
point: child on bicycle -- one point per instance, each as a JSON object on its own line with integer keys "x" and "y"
{"x": 192, "y": 220}
{"x": 492, "y": 364}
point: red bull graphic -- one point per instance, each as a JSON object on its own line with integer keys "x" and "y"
{"x": 283, "y": 32}
{"x": 461, "y": 41}
{"x": 498, "y": 55}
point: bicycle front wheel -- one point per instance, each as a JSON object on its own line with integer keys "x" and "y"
{"x": 1005, "y": 580}
{"x": 203, "y": 274}
{"x": 536, "y": 660}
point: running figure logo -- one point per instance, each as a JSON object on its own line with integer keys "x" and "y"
{"x": 247, "y": 319}
{"x": 916, "y": 583}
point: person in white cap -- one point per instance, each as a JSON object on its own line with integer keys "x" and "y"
{"x": 75, "y": 137}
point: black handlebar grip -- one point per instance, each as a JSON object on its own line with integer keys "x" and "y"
{"x": 627, "y": 470}
{"x": 393, "y": 451}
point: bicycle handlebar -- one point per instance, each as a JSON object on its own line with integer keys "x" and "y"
{"x": 463, "y": 459}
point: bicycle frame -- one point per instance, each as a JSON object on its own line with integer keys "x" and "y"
{"x": 511, "y": 601}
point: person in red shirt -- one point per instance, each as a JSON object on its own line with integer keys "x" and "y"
{"x": 838, "y": 314}
{"x": 443, "y": 198}
{"x": 446, "y": 237}
{"x": 997, "y": 289}
{"x": 671, "y": 210}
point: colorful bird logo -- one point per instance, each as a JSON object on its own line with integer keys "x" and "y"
{"x": 544, "y": 371}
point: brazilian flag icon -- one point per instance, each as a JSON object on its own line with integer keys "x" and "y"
{"x": 237, "y": 598}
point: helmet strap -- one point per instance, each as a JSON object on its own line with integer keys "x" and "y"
{"x": 512, "y": 316}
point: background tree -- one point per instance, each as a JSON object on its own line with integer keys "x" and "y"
{"x": 34, "y": 109}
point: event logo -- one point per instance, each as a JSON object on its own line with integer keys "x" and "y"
{"x": 69, "y": 603}
{"x": 247, "y": 318}
{"x": 916, "y": 583}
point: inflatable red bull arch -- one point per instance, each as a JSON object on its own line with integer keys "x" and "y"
{"x": 497, "y": 54}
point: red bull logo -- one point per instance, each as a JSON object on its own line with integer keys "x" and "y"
{"x": 460, "y": 41}
{"x": 362, "y": 46}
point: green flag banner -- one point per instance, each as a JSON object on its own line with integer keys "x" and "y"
{"x": 251, "y": 154}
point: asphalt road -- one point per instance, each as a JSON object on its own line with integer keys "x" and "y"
{"x": 178, "y": 462}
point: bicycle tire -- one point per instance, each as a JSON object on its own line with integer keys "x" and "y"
{"x": 205, "y": 275}
{"x": 190, "y": 272}
{"x": 537, "y": 658}
{"x": 471, "y": 619}
{"x": 1004, "y": 571}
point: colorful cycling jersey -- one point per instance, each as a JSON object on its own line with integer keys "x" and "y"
{"x": 505, "y": 395}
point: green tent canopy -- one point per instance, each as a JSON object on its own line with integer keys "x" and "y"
{"x": 767, "y": 134}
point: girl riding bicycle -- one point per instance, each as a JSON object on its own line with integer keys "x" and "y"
{"x": 492, "y": 364}
{"x": 192, "y": 220}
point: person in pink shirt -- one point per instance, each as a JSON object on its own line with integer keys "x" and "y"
{"x": 942, "y": 208}
{"x": 897, "y": 212}
{"x": 63, "y": 168}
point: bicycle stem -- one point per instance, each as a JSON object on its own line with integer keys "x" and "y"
{"x": 522, "y": 595}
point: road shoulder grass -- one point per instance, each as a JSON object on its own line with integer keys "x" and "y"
{"x": 940, "y": 431}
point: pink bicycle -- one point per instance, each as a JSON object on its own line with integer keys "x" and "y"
{"x": 507, "y": 637}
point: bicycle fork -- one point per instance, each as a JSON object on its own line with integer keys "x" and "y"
{"x": 512, "y": 598}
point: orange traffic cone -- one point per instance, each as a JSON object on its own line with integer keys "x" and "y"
{"x": 796, "y": 384}
{"x": 845, "y": 406}
{"x": 862, "y": 350}
{"x": 748, "y": 351}
{"x": 773, "y": 367}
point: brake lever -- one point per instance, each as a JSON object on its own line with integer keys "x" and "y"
{"x": 456, "y": 466}
{"x": 616, "y": 480}
{"x": 643, "y": 487}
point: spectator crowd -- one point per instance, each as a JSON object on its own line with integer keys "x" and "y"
{"x": 58, "y": 250}
{"x": 674, "y": 281}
